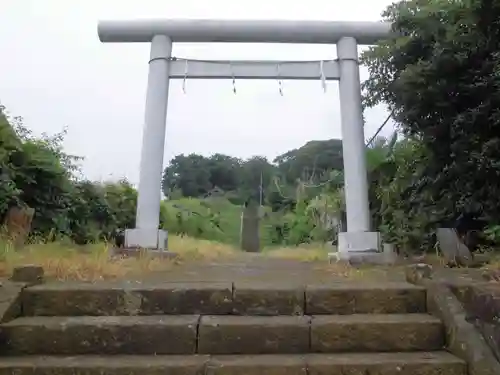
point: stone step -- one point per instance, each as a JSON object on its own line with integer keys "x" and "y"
{"x": 85, "y": 299}
{"x": 432, "y": 363}
{"x": 175, "y": 334}
{"x": 327, "y": 334}
{"x": 376, "y": 333}
{"x": 191, "y": 334}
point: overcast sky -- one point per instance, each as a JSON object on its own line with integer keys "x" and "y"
{"x": 54, "y": 72}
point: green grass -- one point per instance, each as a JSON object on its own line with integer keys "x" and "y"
{"x": 198, "y": 219}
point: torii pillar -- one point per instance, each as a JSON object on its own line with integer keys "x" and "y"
{"x": 359, "y": 238}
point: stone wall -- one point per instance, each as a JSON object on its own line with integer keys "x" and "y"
{"x": 482, "y": 305}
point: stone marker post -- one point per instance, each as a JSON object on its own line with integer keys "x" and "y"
{"x": 250, "y": 220}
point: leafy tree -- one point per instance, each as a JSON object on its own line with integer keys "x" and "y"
{"x": 190, "y": 174}
{"x": 42, "y": 174}
{"x": 439, "y": 74}
{"x": 121, "y": 198}
{"x": 197, "y": 176}
{"x": 224, "y": 172}
{"x": 406, "y": 216}
{"x": 256, "y": 173}
{"x": 89, "y": 214}
{"x": 311, "y": 161}
{"x": 9, "y": 145}
{"x": 36, "y": 172}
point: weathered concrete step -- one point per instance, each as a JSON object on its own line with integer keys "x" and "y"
{"x": 173, "y": 334}
{"x": 189, "y": 334}
{"x": 254, "y": 334}
{"x": 323, "y": 334}
{"x": 365, "y": 298}
{"x": 78, "y": 299}
{"x": 376, "y": 333}
{"x": 434, "y": 363}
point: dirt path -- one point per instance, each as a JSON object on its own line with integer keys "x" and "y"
{"x": 259, "y": 268}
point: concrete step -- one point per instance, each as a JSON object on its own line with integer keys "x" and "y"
{"x": 376, "y": 333}
{"x": 254, "y": 334}
{"x": 84, "y": 299}
{"x": 221, "y": 334}
{"x": 175, "y": 334}
{"x": 433, "y": 363}
{"x": 327, "y": 334}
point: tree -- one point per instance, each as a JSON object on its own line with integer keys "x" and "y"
{"x": 224, "y": 172}
{"x": 256, "y": 173}
{"x": 9, "y": 145}
{"x": 42, "y": 174}
{"x": 190, "y": 174}
{"x": 439, "y": 74}
{"x": 311, "y": 161}
{"x": 36, "y": 172}
{"x": 89, "y": 214}
{"x": 197, "y": 176}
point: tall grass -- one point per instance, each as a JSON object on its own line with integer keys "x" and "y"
{"x": 63, "y": 260}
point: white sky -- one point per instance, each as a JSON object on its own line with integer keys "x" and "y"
{"x": 55, "y": 73}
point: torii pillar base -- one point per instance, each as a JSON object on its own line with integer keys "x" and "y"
{"x": 360, "y": 248}
{"x": 144, "y": 238}
{"x": 156, "y": 242}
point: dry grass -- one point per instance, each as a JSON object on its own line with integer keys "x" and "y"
{"x": 305, "y": 253}
{"x": 64, "y": 261}
{"x": 494, "y": 264}
{"x": 192, "y": 249}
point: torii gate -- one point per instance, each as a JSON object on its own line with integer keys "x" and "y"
{"x": 162, "y": 67}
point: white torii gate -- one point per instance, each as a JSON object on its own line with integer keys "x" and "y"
{"x": 162, "y": 67}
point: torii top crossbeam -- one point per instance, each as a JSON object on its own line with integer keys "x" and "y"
{"x": 241, "y": 31}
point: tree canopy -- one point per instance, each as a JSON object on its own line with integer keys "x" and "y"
{"x": 196, "y": 176}
{"x": 440, "y": 75}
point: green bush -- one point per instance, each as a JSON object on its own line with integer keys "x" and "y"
{"x": 36, "y": 172}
